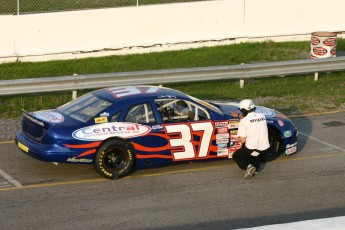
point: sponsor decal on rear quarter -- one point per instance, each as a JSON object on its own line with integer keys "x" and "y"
{"x": 99, "y": 120}
{"x": 106, "y": 130}
{"x": 51, "y": 117}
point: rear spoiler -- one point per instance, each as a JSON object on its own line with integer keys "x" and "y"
{"x": 32, "y": 118}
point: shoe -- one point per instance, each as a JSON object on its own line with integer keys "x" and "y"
{"x": 250, "y": 172}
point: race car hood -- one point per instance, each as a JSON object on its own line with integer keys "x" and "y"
{"x": 227, "y": 107}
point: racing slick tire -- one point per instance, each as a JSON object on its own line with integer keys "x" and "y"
{"x": 114, "y": 159}
{"x": 276, "y": 146}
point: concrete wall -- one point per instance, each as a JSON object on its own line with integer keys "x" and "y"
{"x": 54, "y": 34}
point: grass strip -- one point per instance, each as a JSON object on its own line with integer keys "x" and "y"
{"x": 206, "y": 56}
{"x": 292, "y": 95}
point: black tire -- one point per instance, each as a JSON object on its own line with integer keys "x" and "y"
{"x": 276, "y": 145}
{"x": 114, "y": 159}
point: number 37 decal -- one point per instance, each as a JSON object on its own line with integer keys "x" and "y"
{"x": 184, "y": 141}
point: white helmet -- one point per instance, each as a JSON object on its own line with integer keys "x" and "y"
{"x": 246, "y": 104}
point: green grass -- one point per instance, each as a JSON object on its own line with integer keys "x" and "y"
{"x": 291, "y": 95}
{"x": 208, "y": 56}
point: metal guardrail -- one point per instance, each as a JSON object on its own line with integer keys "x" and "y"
{"x": 244, "y": 71}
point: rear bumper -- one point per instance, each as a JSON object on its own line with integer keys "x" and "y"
{"x": 30, "y": 148}
{"x": 46, "y": 152}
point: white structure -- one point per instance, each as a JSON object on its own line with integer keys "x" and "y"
{"x": 164, "y": 27}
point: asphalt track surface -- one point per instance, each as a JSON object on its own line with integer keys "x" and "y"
{"x": 206, "y": 195}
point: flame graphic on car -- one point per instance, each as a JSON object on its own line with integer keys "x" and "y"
{"x": 147, "y": 152}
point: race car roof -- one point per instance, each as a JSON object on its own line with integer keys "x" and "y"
{"x": 121, "y": 93}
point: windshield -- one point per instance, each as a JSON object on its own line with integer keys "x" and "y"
{"x": 85, "y": 107}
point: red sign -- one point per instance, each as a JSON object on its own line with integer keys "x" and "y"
{"x": 319, "y": 51}
{"x": 315, "y": 41}
{"x": 330, "y": 42}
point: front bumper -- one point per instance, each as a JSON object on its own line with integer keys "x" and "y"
{"x": 291, "y": 143}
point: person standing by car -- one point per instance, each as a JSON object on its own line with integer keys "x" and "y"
{"x": 253, "y": 134}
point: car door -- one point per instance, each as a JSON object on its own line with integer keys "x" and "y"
{"x": 190, "y": 130}
{"x": 184, "y": 131}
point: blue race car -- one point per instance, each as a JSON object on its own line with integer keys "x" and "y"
{"x": 124, "y": 128}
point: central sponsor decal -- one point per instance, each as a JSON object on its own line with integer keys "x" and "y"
{"x": 106, "y": 130}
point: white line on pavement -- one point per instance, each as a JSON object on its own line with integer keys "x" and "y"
{"x": 321, "y": 141}
{"x": 9, "y": 178}
{"x": 333, "y": 223}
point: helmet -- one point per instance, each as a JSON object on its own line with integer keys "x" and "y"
{"x": 246, "y": 106}
{"x": 181, "y": 104}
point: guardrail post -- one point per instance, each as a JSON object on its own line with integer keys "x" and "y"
{"x": 74, "y": 94}
{"x": 18, "y": 8}
{"x": 241, "y": 83}
{"x": 241, "y": 80}
{"x": 316, "y": 76}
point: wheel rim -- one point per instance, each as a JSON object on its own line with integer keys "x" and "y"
{"x": 115, "y": 159}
